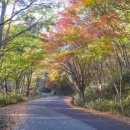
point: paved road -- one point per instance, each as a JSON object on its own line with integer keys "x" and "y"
{"x": 53, "y": 113}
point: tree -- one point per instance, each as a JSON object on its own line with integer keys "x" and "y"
{"x": 91, "y": 44}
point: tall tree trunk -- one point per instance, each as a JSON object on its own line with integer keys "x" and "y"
{"x": 5, "y": 86}
{"x": 17, "y": 84}
{"x": 22, "y": 84}
{"x": 29, "y": 78}
{"x": 3, "y": 11}
{"x": 9, "y": 24}
{"x": 82, "y": 95}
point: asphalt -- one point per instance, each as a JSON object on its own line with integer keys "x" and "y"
{"x": 53, "y": 113}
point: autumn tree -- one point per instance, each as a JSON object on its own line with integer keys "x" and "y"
{"x": 97, "y": 34}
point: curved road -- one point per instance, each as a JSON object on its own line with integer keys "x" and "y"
{"x": 53, "y": 113}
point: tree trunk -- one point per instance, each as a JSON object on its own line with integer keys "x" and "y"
{"x": 5, "y": 86}
{"x": 29, "y": 78}
{"x": 119, "y": 97}
{"x": 82, "y": 96}
{"x": 3, "y": 11}
{"x": 17, "y": 85}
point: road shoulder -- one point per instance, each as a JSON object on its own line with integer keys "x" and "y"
{"x": 111, "y": 115}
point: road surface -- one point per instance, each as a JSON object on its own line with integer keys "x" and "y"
{"x": 53, "y": 113}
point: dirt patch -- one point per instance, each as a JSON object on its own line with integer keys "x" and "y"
{"x": 12, "y": 120}
{"x": 5, "y": 120}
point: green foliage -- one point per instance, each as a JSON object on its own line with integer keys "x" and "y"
{"x": 12, "y": 99}
{"x": 78, "y": 101}
{"x": 99, "y": 48}
{"x": 101, "y": 104}
{"x": 108, "y": 101}
{"x": 37, "y": 95}
{"x": 63, "y": 88}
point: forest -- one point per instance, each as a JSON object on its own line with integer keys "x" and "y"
{"x": 83, "y": 46}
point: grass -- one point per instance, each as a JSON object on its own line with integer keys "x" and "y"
{"x": 105, "y": 104}
{"x": 13, "y": 99}
{"x": 16, "y": 98}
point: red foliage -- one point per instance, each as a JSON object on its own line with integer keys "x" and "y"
{"x": 43, "y": 35}
{"x": 108, "y": 17}
{"x": 65, "y": 19}
{"x": 119, "y": 1}
{"x": 50, "y": 84}
{"x": 49, "y": 46}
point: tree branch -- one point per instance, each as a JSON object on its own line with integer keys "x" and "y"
{"x": 20, "y": 33}
{"x": 18, "y": 12}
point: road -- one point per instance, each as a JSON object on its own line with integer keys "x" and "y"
{"x": 53, "y": 113}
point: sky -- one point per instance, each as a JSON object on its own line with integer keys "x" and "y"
{"x": 59, "y": 7}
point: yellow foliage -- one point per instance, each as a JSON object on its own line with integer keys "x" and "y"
{"x": 92, "y": 2}
{"x": 53, "y": 74}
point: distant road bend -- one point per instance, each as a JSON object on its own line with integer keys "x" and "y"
{"x": 53, "y": 113}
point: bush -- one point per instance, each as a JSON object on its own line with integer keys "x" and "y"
{"x": 38, "y": 95}
{"x": 101, "y": 104}
{"x": 127, "y": 105}
{"x": 78, "y": 101}
{"x": 20, "y": 98}
{"x": 104, "y": 104}
{"x": 12, "y": 99}
{"x": 4, "y": 101}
